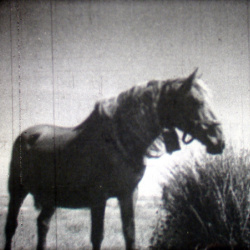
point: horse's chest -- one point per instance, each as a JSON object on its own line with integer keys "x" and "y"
{"x": 124, "y": 175}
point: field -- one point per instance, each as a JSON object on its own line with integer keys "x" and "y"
{"x": 70, "y": 229}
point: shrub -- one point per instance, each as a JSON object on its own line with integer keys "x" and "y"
{"x": 207, "y": 204}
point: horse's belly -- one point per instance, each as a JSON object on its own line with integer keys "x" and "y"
{"x": 76, "y": 198}
{"x": 65, "y": 197}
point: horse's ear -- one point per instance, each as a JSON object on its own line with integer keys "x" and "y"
{"x": 192, "y": 76}
{"x": 186, "y": 86}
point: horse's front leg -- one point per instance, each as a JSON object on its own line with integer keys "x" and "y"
{"x": 127, "y": 215}
{"x": 97, "y": 220}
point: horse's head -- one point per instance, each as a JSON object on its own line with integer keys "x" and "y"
{"x": 184, "y": 104}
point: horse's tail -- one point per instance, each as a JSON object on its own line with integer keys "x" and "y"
{"x": 17, "y": 189}
{"x": 16, "y": 171}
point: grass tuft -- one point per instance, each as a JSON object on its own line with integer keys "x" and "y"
{"x": 207, "y": 204}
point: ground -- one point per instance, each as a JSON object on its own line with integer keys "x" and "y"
{"x": 70, "y": 229}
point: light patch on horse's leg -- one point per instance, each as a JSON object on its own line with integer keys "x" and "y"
{"x": 16, "y": 200}
{"x": 128, "y": 224}
{"x": 135, "y": 197}
{"x": 97, "y": 220}
{"x": 43, "y": 221}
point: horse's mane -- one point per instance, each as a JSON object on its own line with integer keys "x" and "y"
{"x": 109, "y": 106}
{"x": 202, "y": 87}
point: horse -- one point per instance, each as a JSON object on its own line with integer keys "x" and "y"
{"x": 103, "y": 157}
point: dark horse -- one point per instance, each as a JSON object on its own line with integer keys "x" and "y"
{"x": 102, "y": 157}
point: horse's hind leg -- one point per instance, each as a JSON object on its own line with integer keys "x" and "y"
{"x": 43, "y": 221}
{"x": 16, "y": 198}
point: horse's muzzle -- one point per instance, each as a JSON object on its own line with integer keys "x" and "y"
{"x": 216, "y": 148}
{"x": 212, "y": 137}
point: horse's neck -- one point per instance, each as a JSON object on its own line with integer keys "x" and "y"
{"x": 136, "y": 119}
{"x": 91, "y": 119}
{"x": 131, "y": 119}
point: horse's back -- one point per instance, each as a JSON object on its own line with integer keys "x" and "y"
{"x": 46, "y": 137}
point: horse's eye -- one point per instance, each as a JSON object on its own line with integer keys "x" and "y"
{"x": 196, "y": 103}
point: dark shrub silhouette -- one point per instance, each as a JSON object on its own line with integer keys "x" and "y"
{"x": 206, "y": 205}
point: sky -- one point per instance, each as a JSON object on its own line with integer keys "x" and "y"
{"x": 59, "y": 57}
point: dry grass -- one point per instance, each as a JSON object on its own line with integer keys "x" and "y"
{"x": 207, "y": 203}
{"x": 70, "y": 229}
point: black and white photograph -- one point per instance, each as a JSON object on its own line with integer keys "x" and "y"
{"x": 124, "y": 124}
